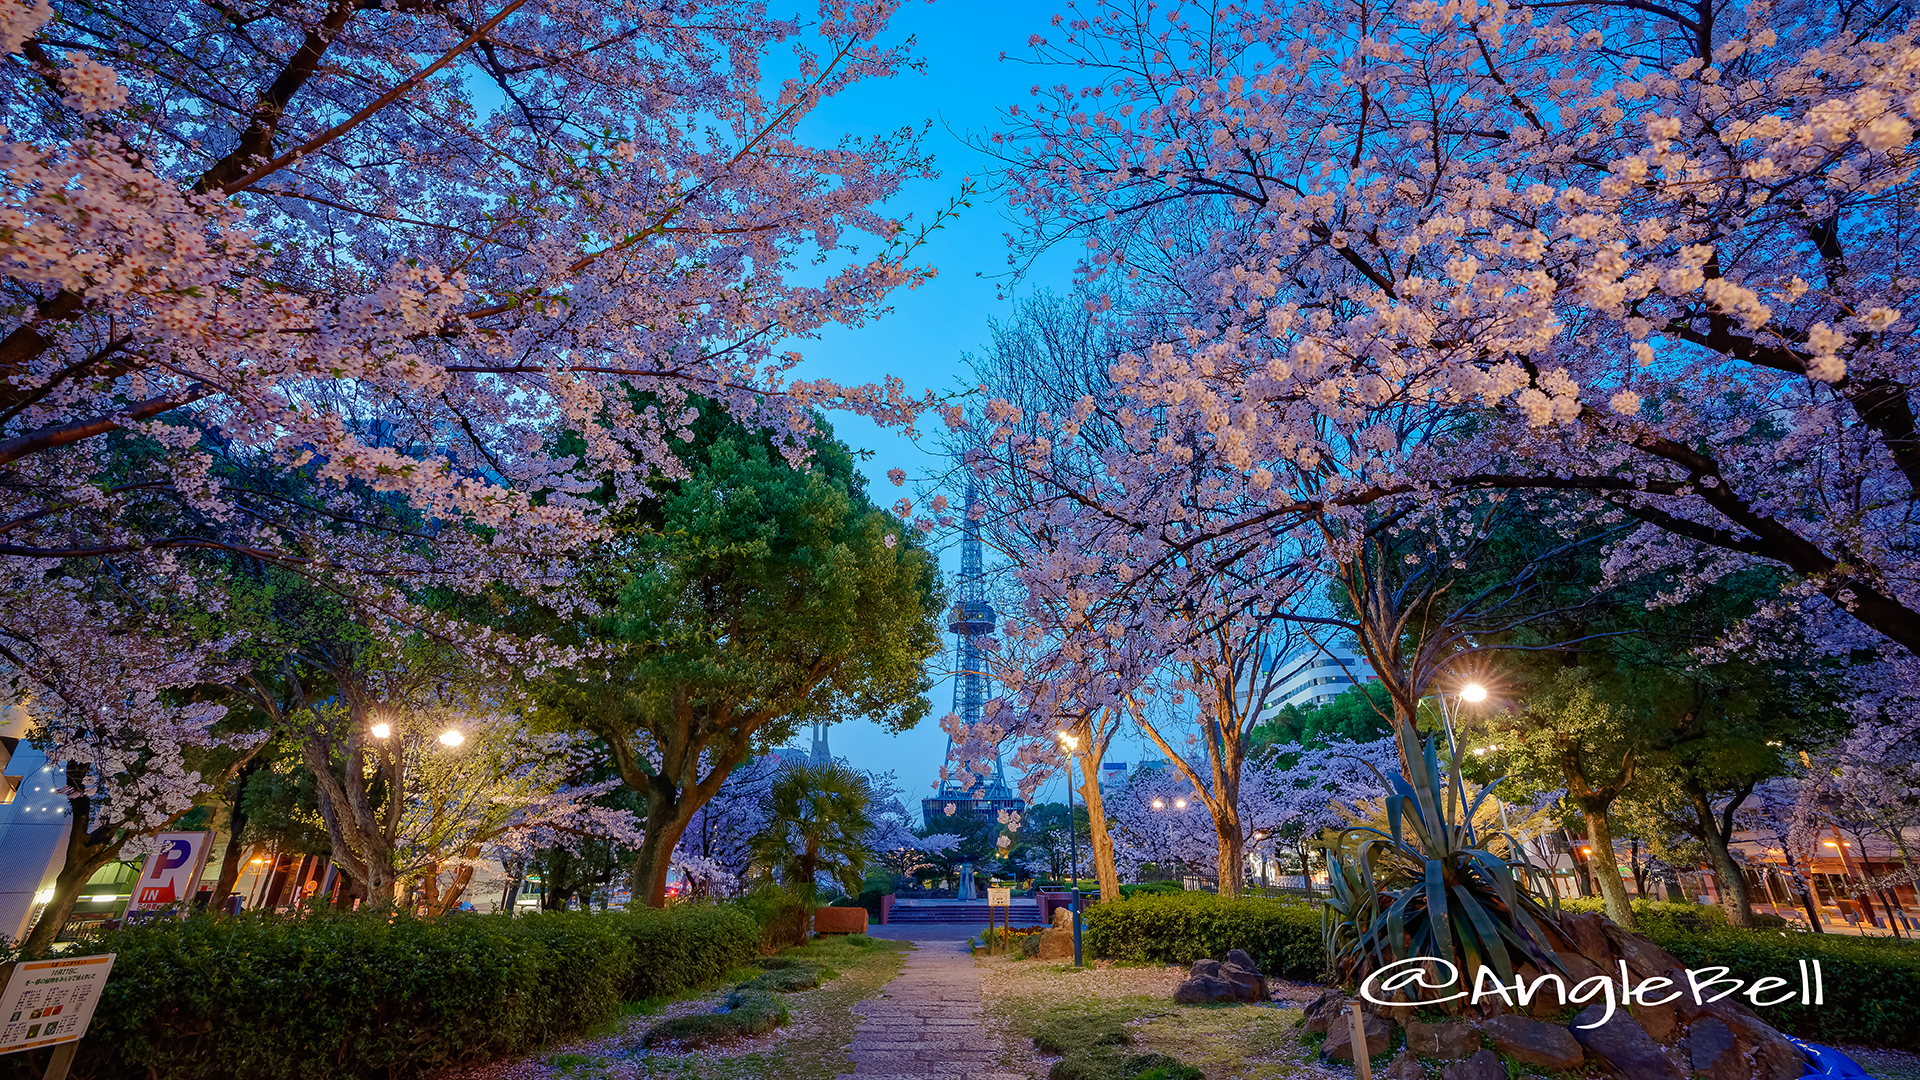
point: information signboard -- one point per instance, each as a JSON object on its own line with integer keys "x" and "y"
{"x": 1000, "y": 897}
{"x": 172, "y": 871}
{"x": 48, "y": 1002}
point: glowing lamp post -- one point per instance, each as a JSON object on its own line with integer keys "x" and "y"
{"x": 1473, "y": 692}
{"x": 1073, "y": 846}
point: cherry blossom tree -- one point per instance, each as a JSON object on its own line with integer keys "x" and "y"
{"x": 135, "y": 755}
{"x": 1157, "y": 821}
{"x": 715, "y": 853}
{"x": 500, "y": 789}
{"x": 260, "y": 266}
{"x": 1651, "y": 255}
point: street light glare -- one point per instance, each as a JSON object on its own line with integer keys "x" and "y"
{"x": 1179, "y": 804}
{"x": 451, "y": 738}
{"x": 1069, "y": 741}
{"x": 1159, "y": 804}
{"x": 1473, "y": 691}
{"x": 380, "y": 731}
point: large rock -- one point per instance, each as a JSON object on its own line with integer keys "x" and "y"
{"x": 1204, "y": 969}
{"x": 1589, "y": 935}
{"x": 1249, "y": 984}
{"x": 1322, "y": 1011}
{"x": 1240, "y": 958}
{"x": 1056, "y": 941}
{"x": 1534, "y": 1042}
{"x": 1643, "y": 957}
{"x": 1205, "y": 990}
{"x": 1764, "y": 1052}
{"x": 1339, "y": 1044}
{"x": 1714, "y": 1052}
{"x": 1404, "y": 1067}
{"x": 1450, "y": 1041}
{"x": 1399, "y": 1014}
{"x": 1483, "y": 1065}
{"x": 1623, "y": 1045}
{"x": 1661, "y": 1021}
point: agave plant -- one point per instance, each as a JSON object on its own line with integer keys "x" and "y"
{"x": 1423, "y": 887}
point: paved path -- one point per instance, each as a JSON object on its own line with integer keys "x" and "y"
{"x": 925, "y": 1025}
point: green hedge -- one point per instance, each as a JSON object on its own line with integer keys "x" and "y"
{"x": 1282, "y": 936}
{"x": 365, "y": 995}
{"x": 686, "y": 945}
{"x": 1659, "y": 916}
{"x": 1872, "y": 984}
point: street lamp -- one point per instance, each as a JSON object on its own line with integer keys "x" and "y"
{"x": 1073, "y": 847}
{"x": 451, "y": 737}
{"x": 380, "y": 730}
{"x": 1472, "y": 692}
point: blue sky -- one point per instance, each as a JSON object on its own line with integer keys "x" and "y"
{"x": 931, "y": 329}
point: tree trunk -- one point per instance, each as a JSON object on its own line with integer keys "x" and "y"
{"x": 1806, "y": 894}
{"x": 86, "y": 853}
{"x": 654, "y": 862}
{"x": 1733, "y": 884}
{"x": 235, "y": 855}
{"x": 361, "y": 848}
{"x": 1232, "y": 849}
{"x": 1100, "y": 839}
{"x": 1600, "y": 839}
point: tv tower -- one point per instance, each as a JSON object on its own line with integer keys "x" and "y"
{"x": 970, "y": 619}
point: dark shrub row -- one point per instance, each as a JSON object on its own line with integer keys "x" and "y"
{"x": 1872, "y": 984}
{"x": 374, "y": 996}
{"x": 1282, "y": 936}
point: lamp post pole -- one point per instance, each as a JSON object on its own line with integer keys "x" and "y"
{"x": 1469, "y": 692}
{"x": 1073, "y": 849}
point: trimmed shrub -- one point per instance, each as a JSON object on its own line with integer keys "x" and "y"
{"x": 751, "y": 1014}
{"x": 1872, "y": 984}
{"x": 686, "y": 945}
{"x": 1659, "y": 916}
{"x": 349, "y": 995}
{"x": 1150, "y": 888}
{"x": 1282, "y": 936}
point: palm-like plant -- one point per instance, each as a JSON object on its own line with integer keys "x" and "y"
{"x": 819, "y": 818}
{"x": 1422, "y": 887}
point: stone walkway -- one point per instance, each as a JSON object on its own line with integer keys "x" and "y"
{"x": 925, "y": 1025}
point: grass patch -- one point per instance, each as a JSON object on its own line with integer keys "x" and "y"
{"x": 749, "y": 1012}
{"x": 629, "y": 1011}
{"x": 1105, "y": 1028}
{"x": 1248, "y": 1040}
{"x": 1095, "y": 1044}
{"x": 820, "y": 1024}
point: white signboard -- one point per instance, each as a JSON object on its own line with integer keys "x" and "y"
{"x": 172, "y": 871}
{"x": 1000, "y": 897}
{"x": 51, "y": 1001}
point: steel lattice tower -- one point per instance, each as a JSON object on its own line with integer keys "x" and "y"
{"x": 970, "y": 619}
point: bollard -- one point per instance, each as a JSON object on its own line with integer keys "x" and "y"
{"x": 1357, "y": 1026}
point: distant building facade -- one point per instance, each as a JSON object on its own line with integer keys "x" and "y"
{"x": 1315, "y": 678}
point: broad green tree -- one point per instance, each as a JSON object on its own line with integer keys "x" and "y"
{"x": 751, "y": 595}
{"x": 1571, "y": 733}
